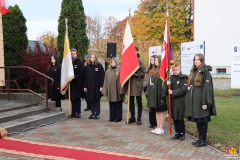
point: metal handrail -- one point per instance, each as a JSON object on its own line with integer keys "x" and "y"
{"x": 26, "y": 67}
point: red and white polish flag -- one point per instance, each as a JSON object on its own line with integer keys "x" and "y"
{"x": 165, "y": 57}
{"x": 129, "y": 62}
{"x": 4, "y": 7}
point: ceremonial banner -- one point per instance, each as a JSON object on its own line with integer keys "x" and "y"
{"x": 167, "y": 55}
{"x": 4, "y": 9}
{"x": 129, "y": 63}
{"x": 67, "y": 73}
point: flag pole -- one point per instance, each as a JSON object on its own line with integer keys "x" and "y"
{"x": 128, "y": 100}
{"x": 129, "y": 84}
{"x": 69, "y": 101}
{"x": 69, "y": 86}
{"x": 169, "y": 86}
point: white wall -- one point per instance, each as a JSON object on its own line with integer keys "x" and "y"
{"x": 217, "y": 22}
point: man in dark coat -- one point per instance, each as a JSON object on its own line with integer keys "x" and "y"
{"x": 136, "y": 90}
{"x": 178, "y": 83}
{"x": 93, "y": 85}
{"x": 77, "y": 84}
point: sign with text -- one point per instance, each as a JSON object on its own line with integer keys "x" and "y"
{"x": 188, "y": 51}
{"x": 235, "y": 66}
{"x": 157, "y": 50}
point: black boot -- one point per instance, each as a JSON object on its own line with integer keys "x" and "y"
{"x": 176, "y": 136}
{"x": 138, "y": 122}
{"x": 73, "y": 115}
{"x": 118, "y": 120}
{"x": 132, "y": 120}
{"x": 196, "y": 142}
{"x": 182, "y": 136}
{"x": 78, "y": 116}
{"x": 111, "y": 120}
{"x": 91, "y": 116}
{"x": 96, "y": 117}
{"x": 201, "y": 143}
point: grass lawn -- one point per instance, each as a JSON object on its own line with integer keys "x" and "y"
{"x": 224, "y": 129}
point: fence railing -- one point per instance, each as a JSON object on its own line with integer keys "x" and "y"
{"x": 7, "y": 86}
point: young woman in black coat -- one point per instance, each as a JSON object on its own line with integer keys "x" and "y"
{"x": 93, "y": 85}
{"x": 54, "y": 71}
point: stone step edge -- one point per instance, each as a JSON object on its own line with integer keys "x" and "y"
{"x": 18, "y": 107}
{"x": 35, "y": 123}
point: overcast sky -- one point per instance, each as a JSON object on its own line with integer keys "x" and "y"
{"x": 43, "y": 15}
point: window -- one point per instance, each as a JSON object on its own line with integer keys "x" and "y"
{"x": 221, "y": 70}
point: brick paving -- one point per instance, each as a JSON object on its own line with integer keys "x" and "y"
{"x": 118, "y": 137}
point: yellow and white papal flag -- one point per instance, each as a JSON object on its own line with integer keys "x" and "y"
{"x": 67, "y": 73}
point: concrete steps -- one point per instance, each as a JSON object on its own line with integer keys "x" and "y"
{"x": 17, "y": 116}
{"x": 9, "y": 106}
{"x": 20, "y": 113}
{"x": 34, "y": 121}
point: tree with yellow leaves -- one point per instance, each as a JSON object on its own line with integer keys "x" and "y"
{"x": 149, "y": 20}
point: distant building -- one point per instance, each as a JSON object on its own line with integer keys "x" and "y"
{"x": 32, "y": 43}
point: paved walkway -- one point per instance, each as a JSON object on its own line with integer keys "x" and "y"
{"x": 118, "y": 137}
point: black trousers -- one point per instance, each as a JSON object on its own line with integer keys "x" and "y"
{"x": 202, "y": 130}
{"x": 116, "y": 110}
{"x": 132, "y": 107}
{"x": 88, "y": 106}
{"x": 58, "y": 102}
{"x": 95, "y": 107}
{"x": 179, "y": 126}
{"x": 76, "y": 107}
{"x": 152, "y": 116}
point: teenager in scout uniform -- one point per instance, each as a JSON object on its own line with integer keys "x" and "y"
{"x": 200, "y": 103}
{"x": 152, "y": 112}
{"x": 136, "y": 90}
{"x": 54, "y": 71}
{"x": 156, "y": 97}
{"x": 111, "y": 88}
{"x": 93, "y": 85}
{"x": 77, "y": 84}
{"x": 178, "y": 83}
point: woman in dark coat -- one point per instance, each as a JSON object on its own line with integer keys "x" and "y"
{"x": 156, "y": 97}
{"x": 93, "y": 85}
{"x": 200, "y": 103}
{"x": 152, "y": 112}
{"x": 178, "y": 83}
{"x": 112, "y": 89}
{"x": 54, "y": 71}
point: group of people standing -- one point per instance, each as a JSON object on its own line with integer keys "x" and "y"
{"x": 192, "y": 97}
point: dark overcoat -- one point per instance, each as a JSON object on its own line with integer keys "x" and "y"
{"x": 155, "y": 93}
{"x": 178, "y": 87}
{"x": 55, "y": 74}
{"x": 196, "y": 96}
{"x": 78, "y": 81}
{"x": 94, "y": 78}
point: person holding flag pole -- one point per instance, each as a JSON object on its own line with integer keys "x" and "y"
{"x": 167, "y": 57}
{"x": 129, "y": 64}
{"x": 72, "y": 71}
